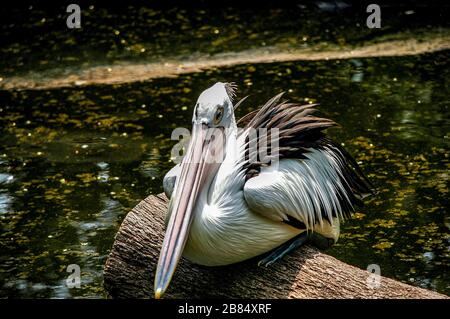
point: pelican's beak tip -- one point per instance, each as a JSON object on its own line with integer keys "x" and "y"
{"x": 158, "y": 293}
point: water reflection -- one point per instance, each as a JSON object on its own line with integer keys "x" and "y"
{"x": 5, "y": 202}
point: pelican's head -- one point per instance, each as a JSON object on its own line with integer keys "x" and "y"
{"x": 214, "y": 107}
{"x": 213, "y": 114}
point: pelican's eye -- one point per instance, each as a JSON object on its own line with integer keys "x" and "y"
{"x": 218, "y": 116}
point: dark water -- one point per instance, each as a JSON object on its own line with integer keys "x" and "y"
{"x": 73, "y": 161}
{"x": 35, "y": 37}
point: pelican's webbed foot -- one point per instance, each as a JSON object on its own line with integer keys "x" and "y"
{"x": 285, "y": 248}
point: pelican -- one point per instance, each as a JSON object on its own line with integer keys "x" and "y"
{"x": 228, "y": 203}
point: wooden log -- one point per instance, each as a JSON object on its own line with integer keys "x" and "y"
{"x": 305, "y": 273}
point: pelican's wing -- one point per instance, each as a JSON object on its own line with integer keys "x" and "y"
{"x": 315, "y": 178}
{"x": 302, "y": 192}
{"x": 170, "y": 179}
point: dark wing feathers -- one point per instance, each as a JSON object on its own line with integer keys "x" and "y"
{"x": 231, "y": 88}
{"x": 299, "y": 130}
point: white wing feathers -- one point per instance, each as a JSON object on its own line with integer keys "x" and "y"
{"x": 304, "y": 189}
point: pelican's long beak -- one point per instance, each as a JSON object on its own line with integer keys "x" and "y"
{"x": 198, "y": 165}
